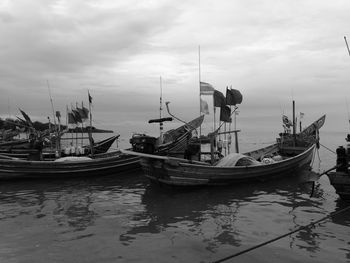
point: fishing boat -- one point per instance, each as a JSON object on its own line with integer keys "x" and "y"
{"x": 340, "y": 178}
{"x": 172, "y": 143}
{"x": 67, "y": 167}
{"x": 15, "y": 144}
{"x": 93, "y": 164}
{"x": 291, "y": 153}
{"x": 27, "y": 147}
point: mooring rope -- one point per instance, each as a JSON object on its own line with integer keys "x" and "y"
{"x": 328, "y": 149}
{"x": 282, "y": 236}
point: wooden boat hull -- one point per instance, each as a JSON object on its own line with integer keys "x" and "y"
{"x": 25, "y": 149}
{"x": 341, "y": 182}
{"x": 16, "y": 144}
{"x": 180, "y": 172}
{"x": 103, "y": 164}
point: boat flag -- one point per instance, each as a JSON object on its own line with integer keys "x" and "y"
{"x": 90, "y": 98}
{"x": 204, "y": 107}
{"x": 26, "y": 117}
{"x": 76, "y": 116}
{"x": 86, "y": 112}
{"x": 286, "y": 121}
{"x": 22, "y": 122}
{"x": 83, "y": 112}
{"x": 233, "y": 97}
{"x": 301, "y": 115}
{"x": 58, "y": 115}
{"x": 206, "y": 89}
{"x": 71, "y": 119}
{"x": 219, "y": 99}
{"x": 225, "y": 113}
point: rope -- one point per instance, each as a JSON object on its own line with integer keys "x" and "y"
{"x": 328, "y": 149}
{"x": 279, "y": 237}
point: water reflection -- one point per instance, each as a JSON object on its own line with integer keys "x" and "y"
{"x": 70, "y": 203}
{"x": 133, "y": 214}
{"x": 343, "y": 218}
{"x": 225, "y": 216}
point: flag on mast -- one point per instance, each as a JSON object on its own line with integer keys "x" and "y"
{"x": 83, "y": 112}
{"x": 204, "y": 107}
{"x": 233, "y": 97}
{"x": 225, "y": 114}
{"x": 219, "y": 99}
{"x": 90, "y": 98}
{"x": 206, "y": 89}
{"x": 70, "y": 115}
{"x": 288, "y": 123}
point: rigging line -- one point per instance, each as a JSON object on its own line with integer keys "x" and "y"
{"x": 53, "y": 111}
{"x": 186, "y": 123}
{"x": 218, "y": 129}
{"x": 319, "y": 159}
{"x": 284, "y": 235}
{"x": 328, "y": 149}
{"x": 313, "y": 157}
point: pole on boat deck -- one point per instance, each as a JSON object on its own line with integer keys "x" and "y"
{"x": 229, "y": 136}
{"x": 236, "y": 142}
{"x": 58, "y": 139}
{"x": 294, "y": 124}
{"x": 200, "y": 112}
{"x": 90, "y": 128}
{"x": 50, "y": 133}
{"x": 212, "y": 138}
{"x": 236, "y": 133}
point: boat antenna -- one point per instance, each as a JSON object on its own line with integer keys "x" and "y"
{"x": 167, "y": 107}
{"x": 347, "y": 46}
{"x": 53, "y": 111}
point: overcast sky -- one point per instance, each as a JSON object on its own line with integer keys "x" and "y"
{"x": 272, "y": 51}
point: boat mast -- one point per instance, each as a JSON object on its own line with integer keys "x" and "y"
{"x": 235, "y": 127}
{"x": 160, "y": 111}
{"x": 294, "y": 123}
{"x": 199, "y": 78}
{"x": 90, "y": 128}
{"x": 58, "y": 139}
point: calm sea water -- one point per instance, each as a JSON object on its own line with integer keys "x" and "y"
{"x": 125, "y": 218}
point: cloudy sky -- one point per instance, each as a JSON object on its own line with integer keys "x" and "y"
{"x": 272, "y": 51}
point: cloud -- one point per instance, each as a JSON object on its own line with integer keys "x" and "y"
{"x": 271, "y": 51}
